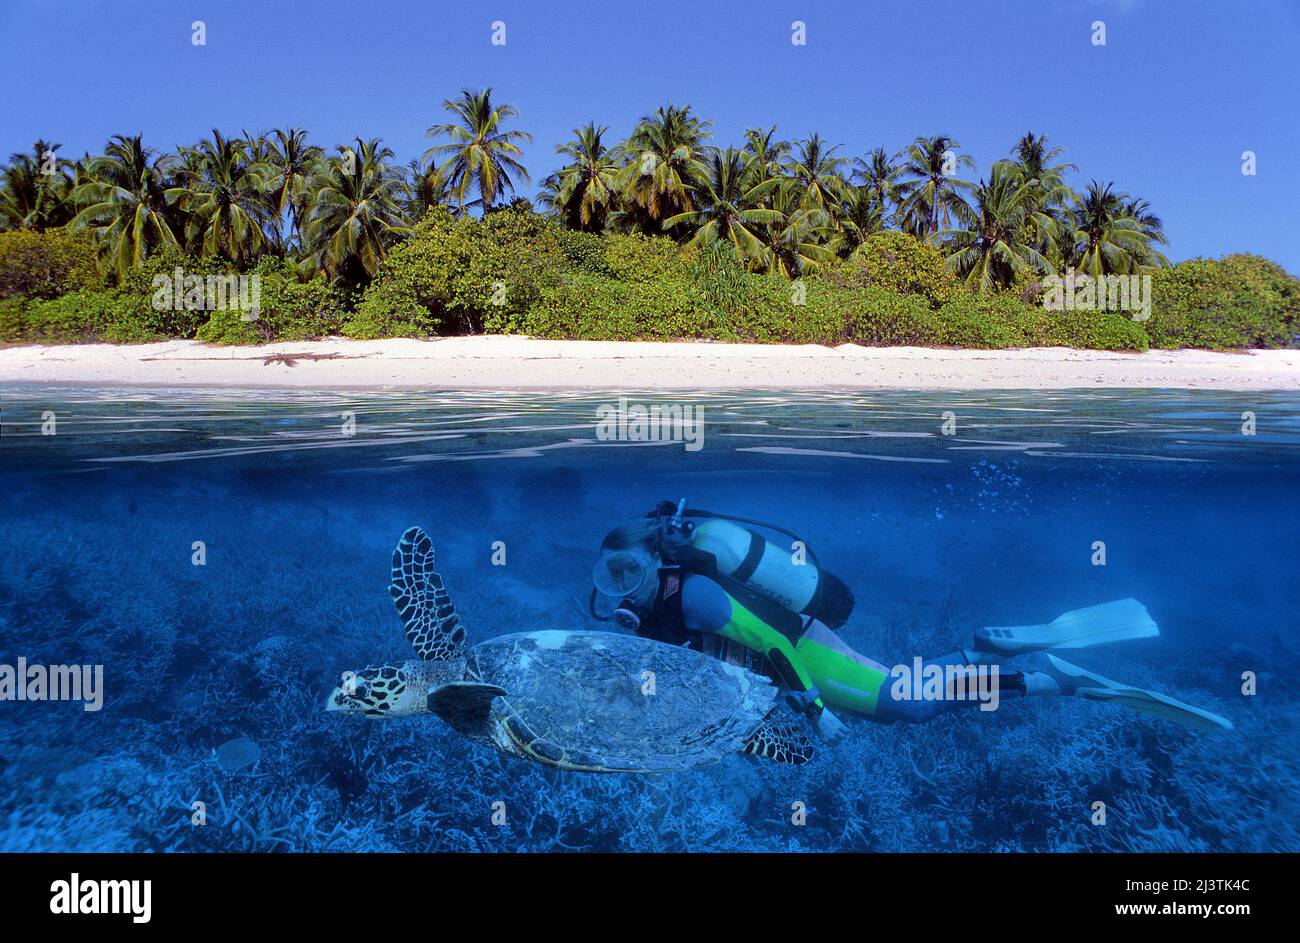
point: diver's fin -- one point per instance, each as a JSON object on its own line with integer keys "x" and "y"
{"x": 1078, "y": 682}
{"x": 464, "y": 705}
{"x": 432, "y": 626}
{"x": 781, "y": 737}
{"x": 1080, "y": 628}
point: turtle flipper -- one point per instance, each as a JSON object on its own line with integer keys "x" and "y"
{"x": 464, "y": 705}
{"x": 780, "y": 737}
{"x": 432, "y": 626}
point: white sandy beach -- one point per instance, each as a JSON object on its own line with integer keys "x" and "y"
{"x": 512, "y": 362}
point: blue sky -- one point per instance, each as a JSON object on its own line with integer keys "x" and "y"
{"x": 1165, "y": 108}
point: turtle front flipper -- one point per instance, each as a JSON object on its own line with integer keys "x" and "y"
{"x": 432, "y": 626}
{"x": 465, "y": 705}
{"x": 781, "y": 738}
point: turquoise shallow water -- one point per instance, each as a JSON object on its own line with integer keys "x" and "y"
{"x": 936, "y": 534}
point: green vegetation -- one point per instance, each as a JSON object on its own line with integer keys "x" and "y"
{"x": 1237, "y": 301}
{"x": 45, "y": 264}
{"x": 664, "y": 235}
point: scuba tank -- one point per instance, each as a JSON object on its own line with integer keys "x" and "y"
{"x": 718, "y": 546}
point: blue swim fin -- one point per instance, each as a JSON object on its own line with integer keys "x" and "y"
{"x": 1080, "y": 628}
{"x": 1078, "y": 682}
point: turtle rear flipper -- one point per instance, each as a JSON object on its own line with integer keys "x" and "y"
{"x": 782, "y": 738}
{"x": 432, "y": 626}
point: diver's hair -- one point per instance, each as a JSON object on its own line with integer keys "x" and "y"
{"x": 641, "y": 533}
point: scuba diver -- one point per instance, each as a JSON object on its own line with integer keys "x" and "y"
{"x": 712, "y": 582}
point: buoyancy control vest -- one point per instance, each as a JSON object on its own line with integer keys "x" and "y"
{"x": 717, "y": 546}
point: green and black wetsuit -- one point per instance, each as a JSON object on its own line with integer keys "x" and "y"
{"x": 738, "y": 625}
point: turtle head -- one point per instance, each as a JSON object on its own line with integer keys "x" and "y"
{"x": 386, "y": 691}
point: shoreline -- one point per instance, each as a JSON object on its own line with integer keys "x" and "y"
{"x": 511, "y": 362}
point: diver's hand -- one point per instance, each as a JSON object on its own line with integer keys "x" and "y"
{"x": 830, "y": 727}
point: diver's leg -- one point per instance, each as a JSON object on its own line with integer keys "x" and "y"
{"x": 923, "y": 690}
{"x": 1043, "y": 674}
{"x": 849, "y": 680}
{"x": 846, "y": 679}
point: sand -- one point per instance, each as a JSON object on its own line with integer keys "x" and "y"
{"x": 511, "y": 362}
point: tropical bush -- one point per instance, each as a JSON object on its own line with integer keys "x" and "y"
{"x": 462, "y": 275}
{"x": 704, "y": 294}
{"x": 584, "y": 251}
{"x": 82, "y": 315}
{"x": 1097, "y": 330}
{"x": 900, "y": 263}
{"x": 881, "y": 318}
{"x": 594, "y": 308}
{"x": 228, "y": 326}
{"x": 779, "y": 312}
{"x": 13, "y": 313}
{"x": 289, "y": 309}
{"x": 152, "y": 314}
{"x": 991, "y": 321}
{"x": 1236, "y": 301}
{"x": 45, "y": 264}
{"x": 635, "y": 257}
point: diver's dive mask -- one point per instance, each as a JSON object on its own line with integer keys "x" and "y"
{"x": 621, "y": 574}
{"x": 624, "y": 581}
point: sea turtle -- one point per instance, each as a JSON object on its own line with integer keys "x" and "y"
{"x": 591, "y": 701}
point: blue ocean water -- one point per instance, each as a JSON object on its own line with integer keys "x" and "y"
{"x": 212, "y": 733}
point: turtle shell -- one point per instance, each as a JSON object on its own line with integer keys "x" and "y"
{"x": 605, "y": 702}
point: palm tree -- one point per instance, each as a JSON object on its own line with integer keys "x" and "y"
{"x": 1033, "y": 160}
{"x": 664, "y": 167}
{"x": 817, "y": 172}
{"x": 878, "y": 173}
{"x": 286, "y": 162}
{"x": 862, "y": 214}
{"x": 423, "y": 189}
{"x": 584, "y": 191}
{"x": 1063, "y": 248}
{"x": 1034, "y": 156}
{"x": 36, "y": 190}
{"x": 222, "y": 194}
{"x": 479, "y": 155}
{"x": 929, "y": 197}
{"x": 355, "y": 212}
{"x": 1110, "y": 241}
{"x": 124, "y": 196}
{"x": 765, "y": 155}
{"x": 992, "y": 248}
{"x": 793, "y": 245}
{"x": 730, "y": 207}
{"x": 1152, "y": 225}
